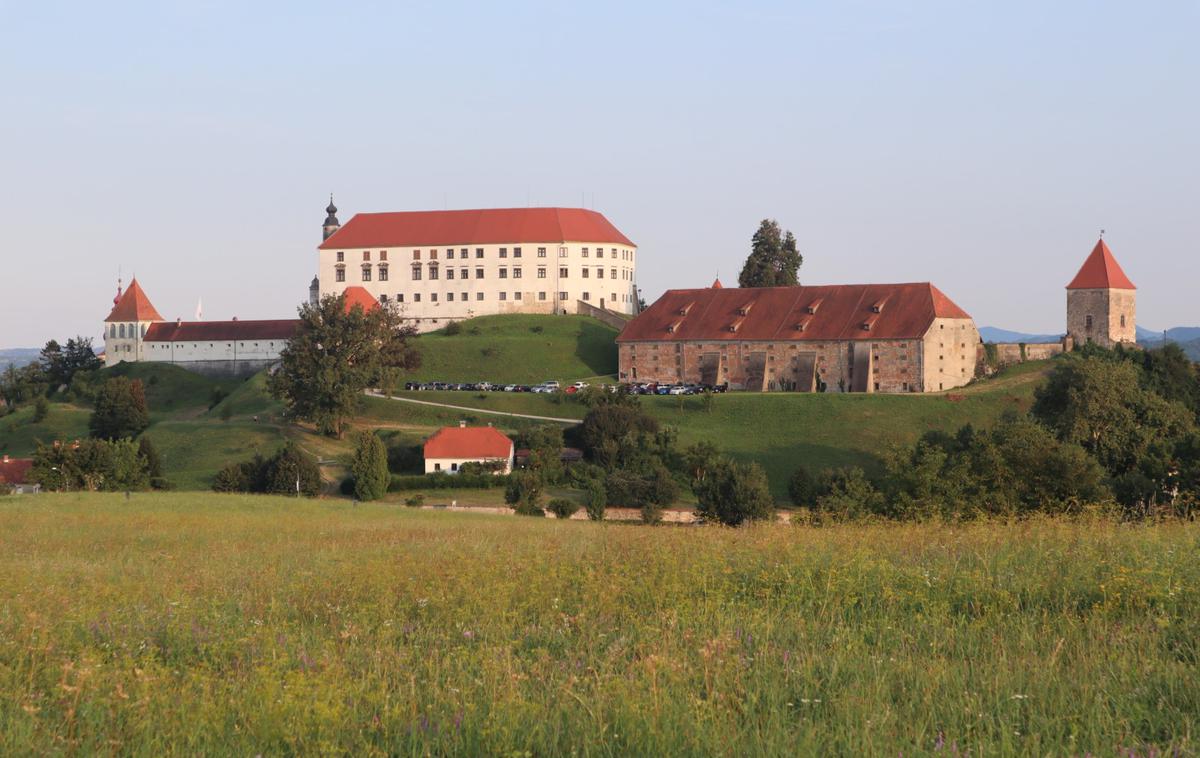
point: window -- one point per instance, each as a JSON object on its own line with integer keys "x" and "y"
{"x": 382, "y": 299}
{"x": 585, "y": 273}
{"x": 400, "y": 298}
{"x": 433, "y": 297}
{"x": 541, "y": 272}
{"x": 587, "y": 296}
{"x": 562, "y": 252}
{"x": 366, "y": 255}
{"x": 433, "y": 255}
{"x": 1087, "y": 322}
{"x": 585, "y": 251}
{"x": 464, "y": 297}
{"x": 599, "y": 273}
{"x": 478, "y": 273}
{"x": 449, "y": 273}
{"x": 612, "y": 273}
{"x": 504, "y": 252}
{"x": 517, "y": 272}
{"x": 464, "y": 273}
{"x": 516, "y": 252}
{"x": 416, "y": 255}
{"x": 433, "y": 271}
{"x": 1122, "y": 320}
{"x": 562, "y": 296}
{"x": 383, "y": 255}
{"x": 437, "y": 467}
{"x": 516, "y": 296}
{"x": 417, "y": 298}
{"x": 478, "y": 295}
{"x": 340, "y": 275}
{"x": 503, "y": 273}
{"x": 503, "y": 295}
{"x": 479, "y": 252}
{"x": 449, "y": 297}
{"x": 462, "y": 253}
{"x": 541, "y": 296}
{"x": 416, "y": 272}
{"x": 541, "y": 252}
{"x": 383, "y": 276}
{"x": 341, "y": 256}
{"x": 366, "y": 273}
{"x": 450, "y": 254}
{"x": 599, "y": 252}
{"x": 562, "y": 272}
{"x": 122, "y": 330}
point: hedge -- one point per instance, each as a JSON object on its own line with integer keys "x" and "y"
{"x": 401, "y": 483}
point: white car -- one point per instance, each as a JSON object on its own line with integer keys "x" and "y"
{"x": 580, "y": 385}
{"x": 678, "y": 389}
{"x": 551, "y": 386}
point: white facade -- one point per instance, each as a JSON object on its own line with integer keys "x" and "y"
{"x": 436, "y": 285}
{"x": 453, "y": 465}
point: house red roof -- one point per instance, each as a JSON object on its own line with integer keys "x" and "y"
{"x": 217, "y": 331}
{"x": 468, "y": 442}
{"x": 356, "y": 295}
{"x": 1101, "y": 271}
{"x": 474, "y": 227}
{"x": 831, "y": 312}
{"x": 133, "y": 306}
{"x": 15, "y": 470}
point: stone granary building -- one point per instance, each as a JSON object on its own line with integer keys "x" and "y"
{"x": 836, "y": 338}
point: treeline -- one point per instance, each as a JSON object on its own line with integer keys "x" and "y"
{"x": 1116, "y": 429}
{"x": 631, "y": 461}
{"x": 55, "y": 369}
{"x": 290, "y": 471}
{"x": 98, "y": 465}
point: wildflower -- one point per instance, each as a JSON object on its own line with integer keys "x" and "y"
{"x": 468, "y": 634}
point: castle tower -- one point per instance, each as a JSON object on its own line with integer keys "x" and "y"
{"x": 331, "y": 222}
{"x": 1101, "y": 302}
{"x": 126, "y": 325}
{"x": 314, "y": 291}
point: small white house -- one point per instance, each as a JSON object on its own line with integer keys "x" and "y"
{"x": 14, "y": 476}
{"x": 452, "y": 446}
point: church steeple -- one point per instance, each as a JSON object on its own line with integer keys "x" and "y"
{"x": 331, "y": 221}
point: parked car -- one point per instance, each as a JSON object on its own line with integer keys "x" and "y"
{"x": 511, "y": 388}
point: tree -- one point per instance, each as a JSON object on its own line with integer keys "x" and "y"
{"x": 54, "y": 364}
{"x": 848, "y": 494}
{"x": 563, "y": 507}
{"x": 92, "y": 465}
{"x": 802, "y": 488}
{"x": 773, "y": 260}
{"x": 120, "y": 410}
{"x": 733, "y": 493}
{"x": 545, "y": 444}
{"x": 78, "y": 356}
{"x": 290, "y": 468}
{"x": 370, "y": 468}
{"x": 606, "y": 425}
{"x": 41, "y": 409}
{"x": 150, "y": 454}
{"x": 335, "y": 355}
{"x": 524, "y": 493}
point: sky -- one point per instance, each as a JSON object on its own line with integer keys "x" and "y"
{"x": 980, "y": 146}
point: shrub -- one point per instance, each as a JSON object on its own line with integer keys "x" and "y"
{"x": 216, "y": 396}
{"x": 849, "y": 495}
{"x": 150, "y": 454}
{"x": 528, "y": 509}
{"x": 226, "y": 412}
{"x": 442, "y": 481}
{"x": 596, "y": 501}
{"x": 415, "y": 501}
{"x": 369, "y": 467}
{"x": 537, "y": 329}
{"x": 232, "y": 478}
{"x": 652, "y": 513}
{"x": 41, "y": 409}
{"x": 562, "y": 507}
{"x": 120, "y": 410}
{"x": 802, "y": 488}
{"x": 452, "y": 329}
{"x": 733, "y": 493}
{"x": 524, "y": 492}
{"x": 278, "y": 475}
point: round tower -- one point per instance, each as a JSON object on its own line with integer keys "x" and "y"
{"x": 331, "y": 222}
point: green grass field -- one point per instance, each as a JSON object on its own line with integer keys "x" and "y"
{"x": 523, "y": 349}
{"x": 202, "y": 624}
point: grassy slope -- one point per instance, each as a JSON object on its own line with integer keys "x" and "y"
{"x": 567, "y": 349}
{"x": 211, "y": 625}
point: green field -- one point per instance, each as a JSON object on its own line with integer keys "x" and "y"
{"x": 202, "y": 624}
{"x": 522, "y": 349}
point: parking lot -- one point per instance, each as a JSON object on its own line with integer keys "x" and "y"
{"x": 638, "y": 388}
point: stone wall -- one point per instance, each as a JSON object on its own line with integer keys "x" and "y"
{"x": 1113, "y": 316}
{"x": 615, "y": 320}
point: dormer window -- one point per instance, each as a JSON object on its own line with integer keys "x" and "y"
{"x": 684, "y": 310}
{"x": 877, "y": 307}
{"x": 674, "y": 327}
{"x": 745, "y": 309}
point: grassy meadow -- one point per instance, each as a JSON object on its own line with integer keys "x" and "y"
{"x": 197, "y": 623}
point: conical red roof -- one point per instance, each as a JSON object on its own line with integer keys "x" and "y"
{"x": 359, "y": 296}
{"x": 134, "y": 306}
{"x": 1100, "y": 272}
{"x": 716, "y": 285}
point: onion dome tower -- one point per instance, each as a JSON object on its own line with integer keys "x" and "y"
{"x": 331, "y": 222}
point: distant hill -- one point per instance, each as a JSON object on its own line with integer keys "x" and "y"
{"x": 18, "y": 356}
{"x": 996, "y": 334}
{"x": 1179, "y": 334}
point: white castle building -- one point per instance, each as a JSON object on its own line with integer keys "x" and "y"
{"x": 442, "y": 266}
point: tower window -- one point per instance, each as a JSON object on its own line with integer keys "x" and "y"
{"x": 1122, "y": 320}
{"x": 1087, "y": 322}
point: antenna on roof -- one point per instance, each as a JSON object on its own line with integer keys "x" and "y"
{"x": 1101, "y": 234}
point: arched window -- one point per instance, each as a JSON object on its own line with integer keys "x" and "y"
{"x": 122, "y": 330}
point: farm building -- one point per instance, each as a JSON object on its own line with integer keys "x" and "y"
{"x": 452, "y": 446}
{"x": 14, "y": 474}
{"x": 834, "y": 338}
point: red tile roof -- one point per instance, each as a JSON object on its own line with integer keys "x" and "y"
{"x": 474, "y": 227}
{"x": 468, "y": 442}
{"x": 133, "y": 306}
{"x": 215, "y": 331}
{"x": 1101, "y": 271}
{"x": 356, "y": 295}
{"x": 831, "y": 312}
{"x": 717, "y": 284}
{"x": 15, "y": 470}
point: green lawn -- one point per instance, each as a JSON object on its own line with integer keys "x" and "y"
{"x": 201, "y": 624}
{"x": 19, "y": 434}
{"x": 524, "y": 349}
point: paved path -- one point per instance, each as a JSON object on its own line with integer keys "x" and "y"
{"x": 471, "y": 409}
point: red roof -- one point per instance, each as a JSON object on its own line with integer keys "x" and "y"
{"x": 717, "y": 284}
{"x": 832, "y": 312}
{"x": 474, "y": 227}
{"x": 356, "y": 295}
{"x": 468, "y": 442}
{"x": 215, "y": 331}
{"x": 1101, "y": 272}
{"x": 133, "y": 306}
{"x": 15, "y": 470}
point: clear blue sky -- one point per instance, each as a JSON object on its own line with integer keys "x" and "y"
{"x": 981, "y": 146}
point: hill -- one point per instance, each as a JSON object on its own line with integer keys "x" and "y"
{"x": 18, "y": 356}
{"x": 522, "y": 349}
